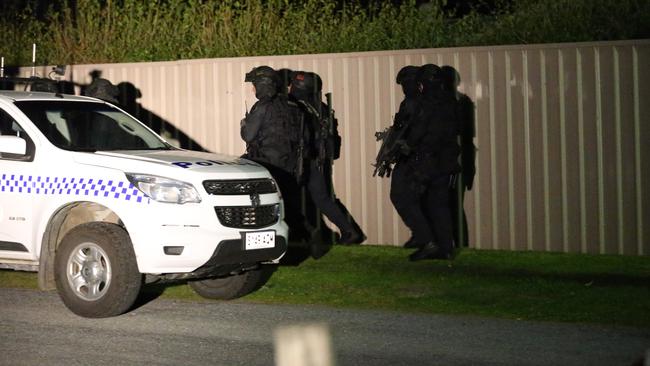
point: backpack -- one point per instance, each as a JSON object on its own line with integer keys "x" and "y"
{"x": 279, "y": 136}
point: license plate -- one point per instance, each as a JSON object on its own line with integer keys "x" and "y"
{"x": 259, "y": 240}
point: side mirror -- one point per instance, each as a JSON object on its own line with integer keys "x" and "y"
{"x": 13, "y": 145}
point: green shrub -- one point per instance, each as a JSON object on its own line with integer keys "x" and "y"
{"x": 96, "y": 31}
{"x": 538, "y": 21}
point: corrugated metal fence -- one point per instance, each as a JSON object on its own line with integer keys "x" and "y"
{"x": 563, "y": 134}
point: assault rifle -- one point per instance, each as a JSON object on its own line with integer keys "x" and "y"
{"x": 325, "y": 152}
{"x": 392, "y": 146}
{"x": 300, "y": 161}
{"x": 301, "y": 158}
{"x": 328, "y": 141}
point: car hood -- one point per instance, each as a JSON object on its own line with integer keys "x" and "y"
{"x": 169, "y": 161}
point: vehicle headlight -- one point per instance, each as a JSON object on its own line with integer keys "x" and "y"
{"x": 164, "y": 189}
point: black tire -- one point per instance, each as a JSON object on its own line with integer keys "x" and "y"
{"x": 95, "y": 270}
{"x": 234, "y": 286}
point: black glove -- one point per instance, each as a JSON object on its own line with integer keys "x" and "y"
{"x": 403, "y": 147}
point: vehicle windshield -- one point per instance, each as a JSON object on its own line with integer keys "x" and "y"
{"x": 89, "y": 126}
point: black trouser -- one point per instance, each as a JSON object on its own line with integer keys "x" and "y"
{"x": 437, "y": 204}
{"x": 406, "y": 195}
{"x": 290, "y": 191}
{"x": 458, "y": 218}
{"x": 319, "y": 185}
{"x": 423, "y": 206}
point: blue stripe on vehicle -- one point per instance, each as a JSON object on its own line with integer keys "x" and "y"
{"x": 71, "y": 186}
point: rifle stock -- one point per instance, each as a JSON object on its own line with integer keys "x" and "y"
{"x": 326, "y": 131}
{"x": 391, "y": 147}
{"x": 300, "y": 161}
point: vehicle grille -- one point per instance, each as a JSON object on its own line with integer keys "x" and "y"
{"x": 248, "y": 217}
{"x": 240, "y": 186}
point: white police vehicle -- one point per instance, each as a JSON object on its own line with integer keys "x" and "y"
{"x": 99, "y": 204}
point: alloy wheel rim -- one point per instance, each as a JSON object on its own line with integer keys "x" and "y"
{"x": 89, "y": 271}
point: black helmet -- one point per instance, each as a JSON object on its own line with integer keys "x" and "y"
{"x": 450, "y": 77}
{"x": 102, "y": 89}
{"x": 265, "y": 80}
{"x": 407, "y": 73}
{"x": 429, "y": 72}
{"x": 285, "y": 76}
{"x": 262, "y": 74}
{"x": 407, "y": 77}
{"x": 430, "y": 80}
{"x": 306, "y": 81}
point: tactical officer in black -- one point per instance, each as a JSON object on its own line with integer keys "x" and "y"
{"x": 271, "y": 131}
{"x": 407, "y": 77}
{"x": 322, "y": 148}
{"x": 466, "y": 131}
{"x": 421, "y": 193}
{"x": 401, "y": 194}
{"x": 269, "y": 128}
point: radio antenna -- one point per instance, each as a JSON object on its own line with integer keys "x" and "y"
{"x": 33, "y": 59}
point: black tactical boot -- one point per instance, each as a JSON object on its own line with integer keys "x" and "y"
{"x": 412, "y": 244}
{"x": 441, "y": 254}
{"x": 352, "y": 237}
{"x": 427, "y": 251}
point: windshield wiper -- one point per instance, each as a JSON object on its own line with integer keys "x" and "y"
{"x": 79, "y": 149}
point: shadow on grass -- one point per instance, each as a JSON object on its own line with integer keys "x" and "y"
{"x": 593, "y": 279}
{"x": 298, "y": 252}
{"x": 312, "y": 238}
{"x": 596, "y": 276}
{"x": 393, "y": 262}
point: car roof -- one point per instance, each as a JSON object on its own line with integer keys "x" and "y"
{"x": 28, "y": 95}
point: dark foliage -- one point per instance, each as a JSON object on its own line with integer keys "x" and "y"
{"x": 93, "y": 31}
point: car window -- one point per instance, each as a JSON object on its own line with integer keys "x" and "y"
{"x": 89, "y": 126}
{"x": 9, "y": 127}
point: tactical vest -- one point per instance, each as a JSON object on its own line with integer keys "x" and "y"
{"x": 437, "y": 150}
{"x": 278, "y": 138}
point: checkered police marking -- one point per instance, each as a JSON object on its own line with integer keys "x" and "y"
{"x": 38, "y": 185}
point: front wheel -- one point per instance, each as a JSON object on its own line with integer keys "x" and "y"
{"x": 95, "y": 270}
{"x": 234, "y": 286}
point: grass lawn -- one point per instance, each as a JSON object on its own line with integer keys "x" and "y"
{"x": 518, "y": 285}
